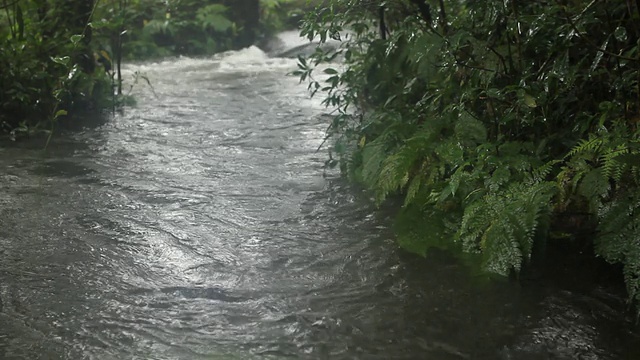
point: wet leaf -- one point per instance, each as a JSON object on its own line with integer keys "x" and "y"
{"x": 62, "y": 60}
{"x": 362, "y": 142}
{"x": 599, "y": 55}
{"x": 530, "y": 101}
{"x": 75, "y": 39}
{"x": 621, "y": 34}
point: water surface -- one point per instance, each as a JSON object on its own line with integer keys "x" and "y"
{"x": 202, "y": 225}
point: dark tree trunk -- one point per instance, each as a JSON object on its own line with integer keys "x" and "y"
{"x": 247, "y": 14}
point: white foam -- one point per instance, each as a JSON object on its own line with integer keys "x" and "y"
{"x": 291, "y": 39}
{"x": 251, "y": 59}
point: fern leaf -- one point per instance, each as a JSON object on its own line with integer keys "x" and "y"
{"x": 612, "y": 168}
{"x": 542, "y": 172}
{"x": 586, "y": 147}
{"x": 594, "y": 187}
{"x": 619, "y": 239}
{"x": 503, "y": 224}
{"x": 373, "y": 154}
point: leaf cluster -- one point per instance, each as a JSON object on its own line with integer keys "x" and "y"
{"x": 494, "y": 117}
{"x": 47, "y": 64}
{"x": 158, "y": 28}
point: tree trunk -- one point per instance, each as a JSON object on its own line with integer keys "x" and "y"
{"x": 247, "y": 14}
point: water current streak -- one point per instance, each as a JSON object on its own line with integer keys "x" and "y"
{"x": 202, "y": 225}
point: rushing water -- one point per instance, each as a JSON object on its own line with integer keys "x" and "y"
{"x": 201, "y": 225}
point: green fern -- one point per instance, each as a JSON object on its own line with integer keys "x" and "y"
{"x": 595, "y": 167}
{"x": 612, "y": 168}
{"x": 618, "y": 239}
{"x": 599, "y": 170}
{"x": 594, "y": 187}
{"x": 411, "y": 159}
{"x": 469, "y": 131}
{"x": 395, "y": 171}
{"x": 501, "y": 226}
{"x": 585, "y": 146}
{"x": 542, "y": 172}
{"x": 412, "y": 190}
{"x": 373, "y": 154}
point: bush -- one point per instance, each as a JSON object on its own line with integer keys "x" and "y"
{"x": 47, "y": 64}
{"x": 492, "y": 119}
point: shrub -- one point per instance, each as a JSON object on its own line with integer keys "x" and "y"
{"x": 490, "y": 118}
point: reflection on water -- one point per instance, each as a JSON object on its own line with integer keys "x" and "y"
{"x": 201, "y": 224}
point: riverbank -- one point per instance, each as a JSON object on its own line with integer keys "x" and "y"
{"x": 499, "y": 151}
{"x": 66, "y": 58}
{"x": 195, "y": 226}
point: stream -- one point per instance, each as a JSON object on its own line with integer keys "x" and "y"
{"x": 201, "y": 224}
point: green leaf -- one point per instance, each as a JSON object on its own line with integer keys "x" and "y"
{"x": 75, "y": 39}
{"x": 213, "y": 17}
{"x": 621, "y": 34}
{"x": 530, "y": 101}
{"x": 62, "y": 60}
{"x": 60, "y": 113}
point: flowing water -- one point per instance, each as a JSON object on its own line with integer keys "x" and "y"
{"x": 201, "y": 225}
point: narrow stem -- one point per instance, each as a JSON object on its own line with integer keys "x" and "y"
{"x": 443, "y": 17}
{"x": 6, "y": 9}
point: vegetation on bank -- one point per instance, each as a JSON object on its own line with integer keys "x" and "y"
{"x": 504, "y": 125}
{"x": 58, "y": 57}
{"x": 46, "y": 62}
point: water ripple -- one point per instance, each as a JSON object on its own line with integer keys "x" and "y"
{"x": 202, "y": 225}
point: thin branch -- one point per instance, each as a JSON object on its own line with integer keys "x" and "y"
{"x": 460, "y": 63}
{"x": 383, "y": 25}
{"x": 514, "y": 7}
{"x": 443, "y": 17}
{"x": 504, "y": 64}
{"x": 589, "y": 42}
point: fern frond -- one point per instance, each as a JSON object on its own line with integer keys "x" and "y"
{"x": 397, "y": 170}
{"x": 501, "y": 250}
{"x": 373, "y": 154}
{"x": 585, "y": 146}
{"x": 475, "y": 221}
{"x": 469, "y": 131}
{"x": 394, "y": 172}
{"x": 541, "y": 173}
{"x": 502, "y": 225}
{"x": 618, "y": 239}
{"x": 413, "y": 189}
{"x": 612, "y": 168}
{"x": 594, "y": 187}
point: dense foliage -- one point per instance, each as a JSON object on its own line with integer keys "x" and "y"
{"x": 46, "y": 62}
{"x": 157, "y": 28}
{"x": 59, "y": 56}
{"x": 503, "y": 124}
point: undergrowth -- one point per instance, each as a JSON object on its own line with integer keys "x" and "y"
{"x": 492, "y": 119}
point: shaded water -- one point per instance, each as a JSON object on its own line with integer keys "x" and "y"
{"x": 201, "y": 225}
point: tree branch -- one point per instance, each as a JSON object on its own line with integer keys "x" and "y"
{"x": 443, "y": 17}
{"x": 589, "y": 42}
{"x": 383, "y": 25}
